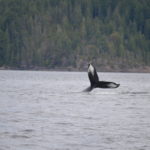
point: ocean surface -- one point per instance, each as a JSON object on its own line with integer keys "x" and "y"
{"x": 41, "y": 110}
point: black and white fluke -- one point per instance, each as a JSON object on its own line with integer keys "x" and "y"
{"x": 94, "y": 80}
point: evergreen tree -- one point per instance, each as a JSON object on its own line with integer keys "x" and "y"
{"x": 64, "y": 33}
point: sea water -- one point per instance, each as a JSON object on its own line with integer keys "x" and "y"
{"x": 43, "y": 110}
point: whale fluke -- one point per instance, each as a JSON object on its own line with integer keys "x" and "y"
{"x": 94, "y": 80}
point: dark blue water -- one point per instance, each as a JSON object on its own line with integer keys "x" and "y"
{"x": 49, "y": 111}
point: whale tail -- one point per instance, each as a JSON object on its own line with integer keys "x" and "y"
{"x": 94, "y": 80}
{"x": 93, "y": 77}
{"x": 106, "y": 84}
{"x": 89, "y": 89}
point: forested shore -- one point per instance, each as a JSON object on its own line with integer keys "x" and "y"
{"x": 67, "y": 34}
{"x": 141, "y": 69}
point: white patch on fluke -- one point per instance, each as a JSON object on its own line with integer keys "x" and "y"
{"x": 112, "y": 85}
{"x": 91, "y": 69}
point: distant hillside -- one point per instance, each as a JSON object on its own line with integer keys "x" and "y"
{"x": 114, "y": 34}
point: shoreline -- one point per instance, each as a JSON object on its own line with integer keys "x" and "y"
{"x": 145, "y": 69}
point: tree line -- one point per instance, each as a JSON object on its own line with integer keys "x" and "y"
{"x": 69, "y": 33}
